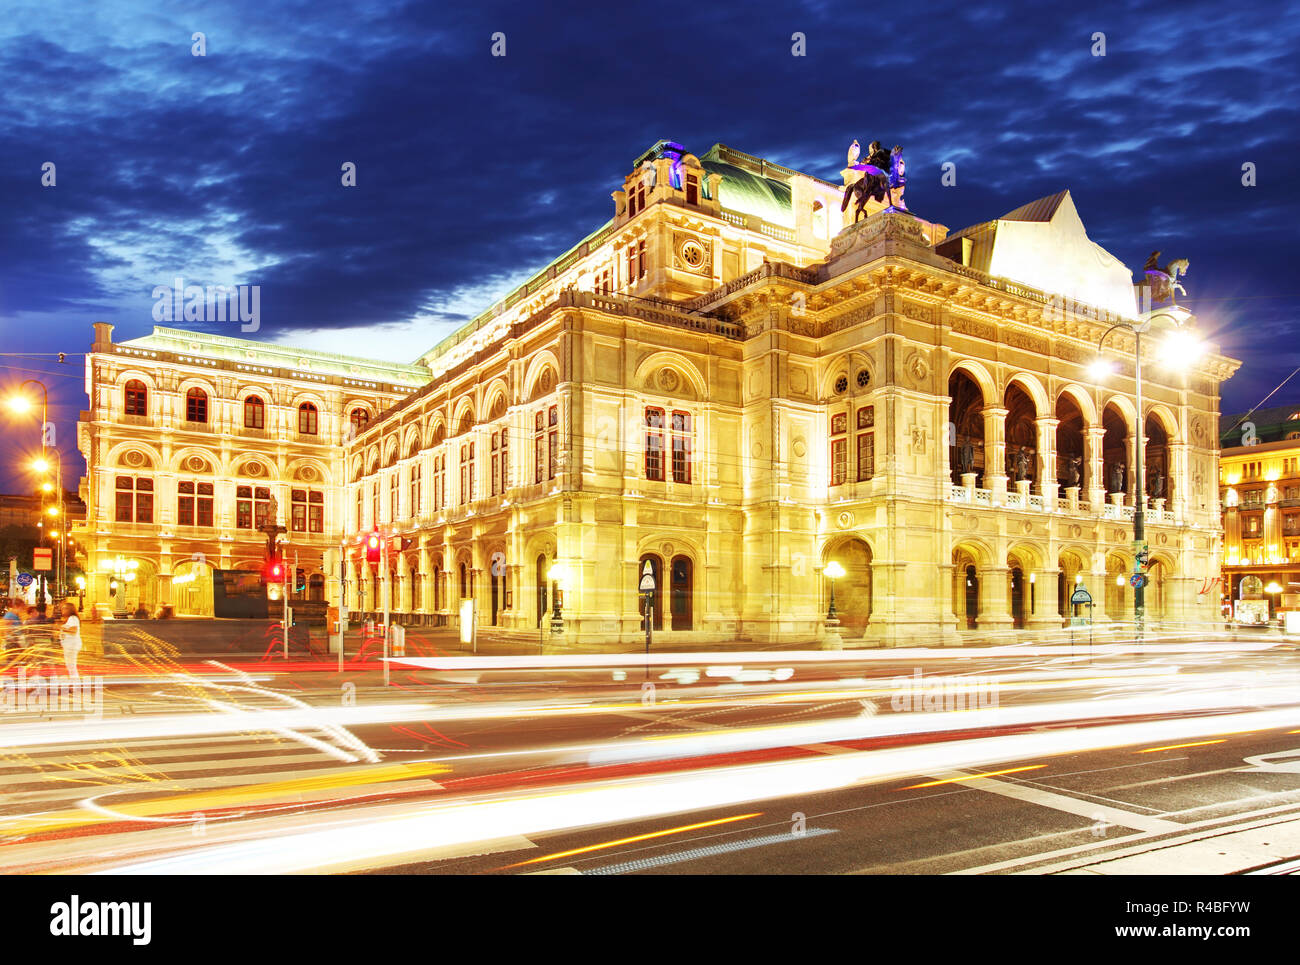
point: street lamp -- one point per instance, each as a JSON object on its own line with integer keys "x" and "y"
{"x": 556, "y": 574}
{"x": 1273, "y": 589}
{"x": 1180, "y": 350}
{"x": 81, "y": 593}
{"x": 833, "y": 572}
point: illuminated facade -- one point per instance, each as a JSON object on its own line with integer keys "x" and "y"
{"x": 726, "y": 383}
{"x": 187, "y": 440}
{"x": 1259, "y": 477}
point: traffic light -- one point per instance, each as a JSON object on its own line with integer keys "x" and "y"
{"x": 373, "y": 544}
{"x": 274, "y": 570}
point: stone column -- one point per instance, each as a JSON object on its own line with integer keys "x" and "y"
{"x": 1178, "y": 485}
{"x": 1047, "y": 474}
{"x": 995, "y": 598}
{"x": 1042, "y": 590}
{"x": 1094, "y": 482}
{"x": 995, "y": 452}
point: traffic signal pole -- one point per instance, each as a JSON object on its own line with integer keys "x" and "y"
{"x": 387, "y": 590}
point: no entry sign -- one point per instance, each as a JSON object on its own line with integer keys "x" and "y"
{"x": 42, "y": 558}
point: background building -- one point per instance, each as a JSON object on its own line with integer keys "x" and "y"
{"x": 191, "y": 440}
{"x": 1259, "y": 481}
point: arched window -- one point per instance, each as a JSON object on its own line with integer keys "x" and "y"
{"x": 254, "y": 413}
{"x": 196, "y": 406}
{"x": 359, "y": 418}
{"x": 137, "y": 398}
{"x": 307, "y": 419}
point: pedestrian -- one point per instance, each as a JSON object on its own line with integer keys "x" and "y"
{"x": 70, "y": 637}
{"x": 13, "y": 622}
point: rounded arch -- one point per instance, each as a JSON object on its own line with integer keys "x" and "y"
{"x": 308, "y": 470}
{"x": 853, "y": 591}
{"x": 977, "y": 550}
{"x": 354, "y": 470}
{"x": 196, "y": 382}
{"x": 496, "y": 398}
{"x": 539, "y": 362}
{"x": 435, "y": 430}
{"x": 847, "y": 365}
{"x": 307, "y": 396}
{"x": 1123, "y": 405}
{"x": 192, "y": 587}
{"x": 411, "y": 442}
{"x": 244, "y": 468}
{"x": 116, "y": 454}
{"x": 1029, "y": 556}
{"x": 1032, "y": 387}
{"x": 137, "y": 375}
{"x": 181, "y": 461}
{"x": 1165, "y": 416}
{"x": 390, "y": 451}
{"x": 1082, "y": 399}
{"x": 462, "y": 417}
{"x": 372, "y": 459}
{"x": 679, "y": 363}
{"x": 983, "y": 378}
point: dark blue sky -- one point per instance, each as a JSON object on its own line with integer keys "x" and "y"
{"x": 475, "y": 170}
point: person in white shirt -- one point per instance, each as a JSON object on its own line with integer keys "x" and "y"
{"x": 70, "y": 637}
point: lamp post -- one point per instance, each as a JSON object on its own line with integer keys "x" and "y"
{"x": 81, "y": 593}
{"x": 834, "y": 641}
{"x": 1273, "y": 589}
{"x": 556, "y": 574}
{"x": 20, "y": 404}
{"x": 1182, "y": 343}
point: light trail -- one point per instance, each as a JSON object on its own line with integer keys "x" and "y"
{"x": 974, "y": 777}
{"x": 637, "y": 837}
{"x": 1178, "y": 747}
{"x": 425, "y": 829}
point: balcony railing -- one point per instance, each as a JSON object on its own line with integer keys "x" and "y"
{"x": 1036, "y": 502}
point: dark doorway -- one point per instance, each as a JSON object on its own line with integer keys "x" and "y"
{"x": 683, "y": 579}
{"x": 972, "y": 598}
{"x": 966, "y": 427}
{"x": 541, "y": 589}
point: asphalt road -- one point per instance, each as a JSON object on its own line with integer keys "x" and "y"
{"x": 1170, "y": 759}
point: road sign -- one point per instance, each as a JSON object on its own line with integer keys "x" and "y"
{"x": 42, "y": 558}
{"x": 647, "y": 583}
{"x": 1137, "y": 580}
{"x": 25, "y": 580}
{"x": 1080, "y": 597}
{"x": 1144, "y": 556}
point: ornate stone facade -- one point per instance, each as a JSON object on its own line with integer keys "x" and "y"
{"x": 728, "y": 384}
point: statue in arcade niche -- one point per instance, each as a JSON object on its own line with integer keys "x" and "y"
{"x": 1156, "y": 484}
{"x": 1115, "y": 477}
{"x": 1022, "y": 464}
{"x": 1073, "y": 465}
{"x": 966, "y": 457}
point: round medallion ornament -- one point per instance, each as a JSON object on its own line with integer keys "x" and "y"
{"x": 1026, "y": 527}
{"x": 1075, "y": 531}
{"x": 253, "y": 469}
{"x": 864, "y": 379}
{"x": 134, "y": 458}
{"x": 756, "y": 450}
{"x": 693, "y": 254}
{"x": 844, "y": 520}
{"x": 800, "y": 448}
{"x": 668, "y": 380}
{"x": 308, "y": 474}
{"x": 841, "y": 385}
{"x": 666, "y": 549}
{"x": 196, "y": 464}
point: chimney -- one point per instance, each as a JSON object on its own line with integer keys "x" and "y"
{"x": 103, "y": 336}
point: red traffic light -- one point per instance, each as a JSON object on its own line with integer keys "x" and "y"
{"x": 373, "y": 544}
{"x": 274, "y": 571}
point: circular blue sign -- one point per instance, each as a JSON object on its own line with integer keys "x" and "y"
{"x": 25, "y": 580}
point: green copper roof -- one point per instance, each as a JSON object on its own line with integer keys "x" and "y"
{"x": 281, "y": 356}
{"x": 749, "y": 191}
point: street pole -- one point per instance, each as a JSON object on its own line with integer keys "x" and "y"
{"x": 285, "y": 585}
{"x": 343, "y": 569}
{"x": 1140, "y": 497}
{"x": 387, "y": 591}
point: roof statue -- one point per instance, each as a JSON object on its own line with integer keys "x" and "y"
{"x": 883, "y": 176}
{"x": 1163, "y": 282}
